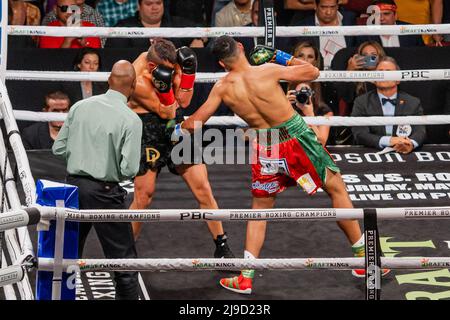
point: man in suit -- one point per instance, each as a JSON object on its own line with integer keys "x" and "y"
{"x": 326, "y": 15}
{"x": 387, "y": 100}
{"x": 388, "y": 16}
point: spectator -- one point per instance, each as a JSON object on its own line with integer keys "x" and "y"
{"x": 348, "y": 91}
{"x": 303, "y": 8}
{"x": 41, "y": 135}
{"x": 88, "y": 14}
{"x": 218, "y": 5}
{"x": 421, "y": 12}
{"x": 235, "y": 14}
{"x": 87, "y": 60}
{"x": 366, "y": 58}
{"x": 22, "y": 13}
{"x": 387, "y": 100}
{"x": 250, "y": 42}
{"x": 63, "y": 13}
{"x": 315, "y": 105}
{"x": 114, "y": 11}
{"x": 388, "y": 16}
{"x": 327, "y": 15}
{"x": 151, "y": 14}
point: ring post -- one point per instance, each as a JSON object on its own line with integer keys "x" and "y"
{"x": 56, "y": 285}
{"x": 372, "y": 256}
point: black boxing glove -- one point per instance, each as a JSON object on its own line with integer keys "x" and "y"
{"x": 162, "y": 77}
{"x": 188, "y": 62}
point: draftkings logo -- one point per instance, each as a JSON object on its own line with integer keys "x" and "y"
{"x": 309, "y": 32}
{"x": 311, "y": 264}
{"x": 426, "y": 263}
{"x": 82, "y": 264}
{"x": 197, "y": 264}
{"x": 416, "y": 30}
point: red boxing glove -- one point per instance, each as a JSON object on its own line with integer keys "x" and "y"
{"x": 166, "y": 98}
{"x": 187, "y": 81}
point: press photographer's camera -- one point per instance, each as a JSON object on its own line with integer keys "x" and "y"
{"x": 303, "y": 95}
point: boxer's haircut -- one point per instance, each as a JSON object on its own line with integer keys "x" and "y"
{"x": 162, "y": 50}
{"x": 224, "y": 48}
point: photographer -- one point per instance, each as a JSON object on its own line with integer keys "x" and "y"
{"x": 308, "y": 103}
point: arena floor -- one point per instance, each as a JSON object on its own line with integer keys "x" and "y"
{"x": 284, "y": 240}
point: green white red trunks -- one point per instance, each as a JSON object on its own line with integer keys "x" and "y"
{"x": 296, "y": 157}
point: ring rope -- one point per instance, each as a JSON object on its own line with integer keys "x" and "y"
{"x": 282, "y": 31}
{"x": 37, "y": 214}
{"x": 211, "y": 77}
{"x": 209, "y": 264}
{"x": 26, "y": 115}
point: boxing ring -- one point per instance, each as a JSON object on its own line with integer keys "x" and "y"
{"x": 15, "y": 216}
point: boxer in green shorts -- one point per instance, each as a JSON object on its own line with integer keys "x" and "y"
{"x": 254, "y": 94}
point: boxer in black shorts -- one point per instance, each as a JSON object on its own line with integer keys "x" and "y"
{"x": 165, "y": 81}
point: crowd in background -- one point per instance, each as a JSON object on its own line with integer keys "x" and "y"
{"x": 324, "y": 99}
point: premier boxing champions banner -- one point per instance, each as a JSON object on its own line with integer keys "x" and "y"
{"x": 420, "y": 179}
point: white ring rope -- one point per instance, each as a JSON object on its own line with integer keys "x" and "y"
{"x": 207, "y": 264}
{"x": 247, "y": 214}
{"x": 305, "y": 31}
{"x": 35, "y": 214}
{"x": 25, "y": 115}
{"x": 211, "y": 77}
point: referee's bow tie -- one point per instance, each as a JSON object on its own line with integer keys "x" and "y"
{"x": 385, "y": 100}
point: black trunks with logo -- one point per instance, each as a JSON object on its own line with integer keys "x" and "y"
{"x": 156, "y": 145}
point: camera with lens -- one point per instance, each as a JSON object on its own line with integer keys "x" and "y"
{"x": 303, "y": 95}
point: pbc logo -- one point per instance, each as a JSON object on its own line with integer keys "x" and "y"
{"x": 195, "y": 215}
{"x": 416, "y": 74}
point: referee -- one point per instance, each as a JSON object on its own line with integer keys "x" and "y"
{"x": 101, "y": 143}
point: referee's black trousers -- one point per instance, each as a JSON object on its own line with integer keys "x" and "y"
{"x": 116, "y": 238}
